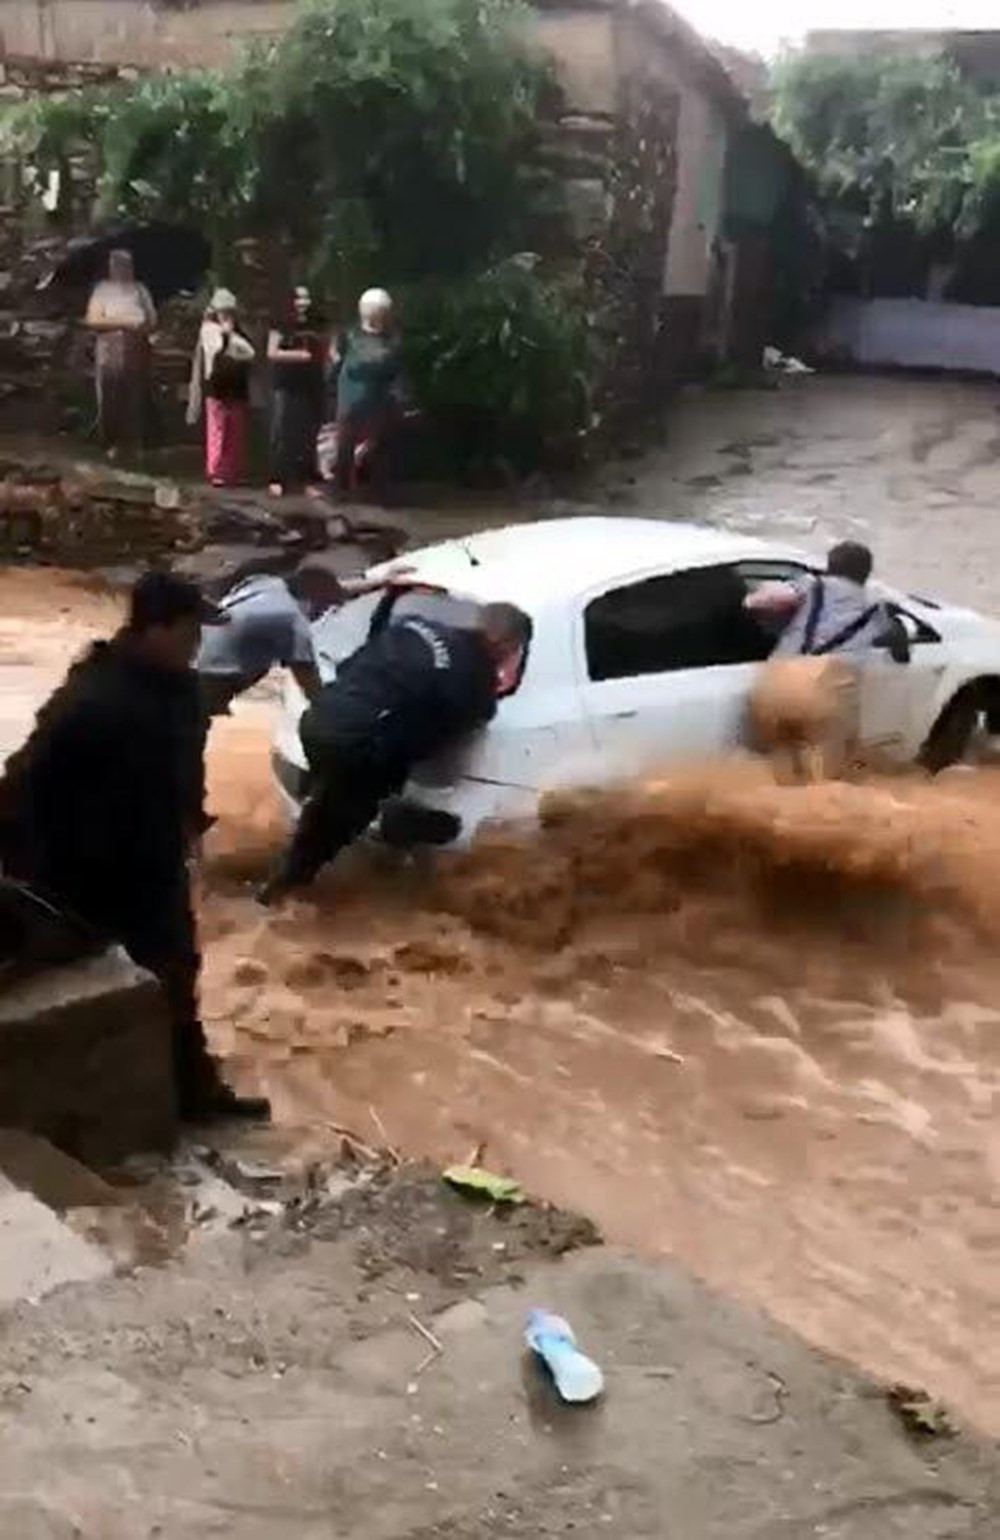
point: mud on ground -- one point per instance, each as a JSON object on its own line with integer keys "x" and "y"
{"x": 269, "y": 1387}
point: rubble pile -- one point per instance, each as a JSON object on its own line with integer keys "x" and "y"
{"x": 87, "y": 517}
{"x": 78, "y": 519}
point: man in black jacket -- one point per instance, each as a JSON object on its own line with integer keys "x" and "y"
{"x": 413, "y": 688}
{"x": 102, "y": 808}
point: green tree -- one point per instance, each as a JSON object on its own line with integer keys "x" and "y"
{"x": 894, "y": 137}
{"x": 409, "y": 126}
{"x": 372, "y": 131}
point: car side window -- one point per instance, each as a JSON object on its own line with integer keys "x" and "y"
{"x": 756, "y": 574}
{"x": 682, "y": 620}
{"x": 763, "y": 574}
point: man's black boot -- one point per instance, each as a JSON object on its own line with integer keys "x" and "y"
{"x": 204, "y": 1097}
{"x": 271, "y": 892}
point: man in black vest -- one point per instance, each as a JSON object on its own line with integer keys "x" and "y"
{"x": 830, "y": 613}
{"x": 414, "y": 687}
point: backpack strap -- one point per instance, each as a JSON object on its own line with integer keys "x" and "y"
{"x": 856, "y": 625}
{"x": 816, "y": 596}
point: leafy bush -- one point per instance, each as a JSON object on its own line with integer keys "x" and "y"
{"x": 500, "y": 360}
{"x": 421, "y": 115}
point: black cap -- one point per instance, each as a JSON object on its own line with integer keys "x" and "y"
{"x": 160, "y": 598}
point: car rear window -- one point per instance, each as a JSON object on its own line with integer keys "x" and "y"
{"x": 340, "y": 632}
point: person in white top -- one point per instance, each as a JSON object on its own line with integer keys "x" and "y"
{"x": 122, "y": 315}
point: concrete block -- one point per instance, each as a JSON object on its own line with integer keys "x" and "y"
{"x": 33, "y": 1165}
{"x": 85, "y": 1059}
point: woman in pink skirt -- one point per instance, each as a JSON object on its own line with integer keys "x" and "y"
{"x": 220, "y": 387}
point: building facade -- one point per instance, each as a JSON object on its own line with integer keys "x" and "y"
{"x": 648, "y": 129}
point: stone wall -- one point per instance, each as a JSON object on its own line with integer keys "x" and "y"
{"x": 642, "y": 154}
{"x": 43, "y": 353}
{"x": 150, "y": 33}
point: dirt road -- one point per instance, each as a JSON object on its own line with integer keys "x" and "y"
{"x": 788, "y": 1082}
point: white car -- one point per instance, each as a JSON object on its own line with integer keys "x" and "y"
{"x": 642, "y": 654}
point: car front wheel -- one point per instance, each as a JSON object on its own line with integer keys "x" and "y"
{"x": 949, "y": 738}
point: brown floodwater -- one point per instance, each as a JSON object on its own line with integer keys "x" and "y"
{"x": 755, "y": 1027}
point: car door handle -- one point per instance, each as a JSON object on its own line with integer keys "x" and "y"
{"x": 623, "y": 716}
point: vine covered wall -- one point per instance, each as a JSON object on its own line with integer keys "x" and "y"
{"x": 517, "y": 200}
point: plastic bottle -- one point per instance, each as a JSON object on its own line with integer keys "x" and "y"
{"x": 577, "y": 1378}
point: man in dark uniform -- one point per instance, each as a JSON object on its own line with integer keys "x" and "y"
{"x": 414, "y": 687}
{"x": 102, "y": 809}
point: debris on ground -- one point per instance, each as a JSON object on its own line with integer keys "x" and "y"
{"x": 785, "y": 363}
{"x": 551, "y": 1338}
{"x": 407, "y": 1217}
{"x": 920, "y": 1414}
{"x": 98, "y": 517}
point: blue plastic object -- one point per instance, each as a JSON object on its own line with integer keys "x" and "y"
{"x": 577, "y": 1378}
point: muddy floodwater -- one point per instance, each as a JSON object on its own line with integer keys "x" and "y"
{"x": 756, "y": 1027}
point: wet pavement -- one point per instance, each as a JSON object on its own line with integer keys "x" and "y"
{"x": 910, "y": 466}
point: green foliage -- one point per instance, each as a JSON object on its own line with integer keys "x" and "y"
{"x": 169, "y": 146}
{"x": 380, "y": 141}
{"x": 409, "y": 123}
{"x": 389, "y": 132}
{"x": 501, "y": 358}
{"x": 905, "y": 137}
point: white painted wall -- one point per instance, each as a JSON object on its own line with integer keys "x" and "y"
{"x": 913, "y": 333}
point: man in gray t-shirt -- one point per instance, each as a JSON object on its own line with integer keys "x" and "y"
{"x": 830, "y": 614}
{"x": 268, "y": 625}
{"x": 834, "y": 621}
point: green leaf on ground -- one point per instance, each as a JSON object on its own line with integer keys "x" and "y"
{"x": 484, "y": 1184}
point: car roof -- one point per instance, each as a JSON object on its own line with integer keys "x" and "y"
{"x": 548, "y": 559}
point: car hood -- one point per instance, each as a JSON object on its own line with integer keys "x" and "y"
{"x": 955, "y": 621}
